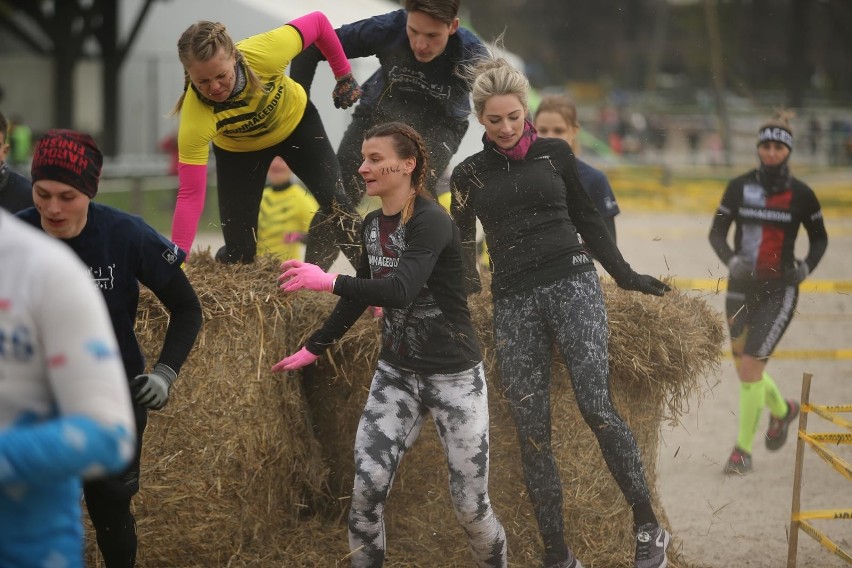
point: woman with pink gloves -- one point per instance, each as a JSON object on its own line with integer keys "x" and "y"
{"x": 430, "y": 362}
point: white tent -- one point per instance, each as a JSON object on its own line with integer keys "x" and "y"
{"x": 152, "y": 78}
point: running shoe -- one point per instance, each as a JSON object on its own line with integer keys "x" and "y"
{"x": 651, "y": 544}
{"x": 776, "y": 434}
{"x": 739, "y": 462}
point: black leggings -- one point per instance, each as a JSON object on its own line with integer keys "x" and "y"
{"x": 241, "y": 177}
{"x": 572, "y": 313}
{"x": 108, "y": 504}
{"x": 442, "y": 141}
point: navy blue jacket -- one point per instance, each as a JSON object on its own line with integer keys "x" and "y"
{"x": 16, "y": 191}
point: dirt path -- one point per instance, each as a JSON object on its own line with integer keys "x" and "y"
{"x": 726, "y": 521}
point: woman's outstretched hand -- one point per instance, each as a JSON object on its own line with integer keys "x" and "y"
{"x": 645, "y": 284}
{"x": 296, "y": 275}
{"x": 299, "y": 359}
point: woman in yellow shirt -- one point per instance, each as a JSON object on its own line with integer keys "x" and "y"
{"x": 238, "y": 97}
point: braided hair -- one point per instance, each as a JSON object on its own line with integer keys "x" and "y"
{"x": 202, "y": 41}
{"x": 407, "y": 143}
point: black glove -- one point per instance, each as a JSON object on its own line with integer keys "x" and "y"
{"x": 151, "y": 390}
{"x": 346, "y": 92}
{"x": 645, "y": 284}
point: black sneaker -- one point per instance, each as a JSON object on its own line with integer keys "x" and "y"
{"x": 776, "y": 434}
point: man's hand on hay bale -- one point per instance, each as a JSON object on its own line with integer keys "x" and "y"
{"x": 296, "y": 275}
{"x": 151, "y": 390}
{"x": 299, "y": 359}
{"x": 644, "y": 283}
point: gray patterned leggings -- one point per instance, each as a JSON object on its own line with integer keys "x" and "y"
{"x": 394, "y": 414}
{"x": 571, "y": 312}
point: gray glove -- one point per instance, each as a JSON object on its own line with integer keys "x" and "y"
{"x": 151, "y": 390}
{"x": 739, "y": 268}
{"x": 802, "y": 271}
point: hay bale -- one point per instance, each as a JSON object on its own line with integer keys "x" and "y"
{"x": 249, "y": 469}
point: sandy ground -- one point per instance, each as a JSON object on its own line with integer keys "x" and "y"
{"x": 724, "y": 520}
{"x": 718, "y": 520}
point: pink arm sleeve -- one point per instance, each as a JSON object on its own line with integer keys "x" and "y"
{"x": 192, "y": 189}
{"x": 315, "y": 28}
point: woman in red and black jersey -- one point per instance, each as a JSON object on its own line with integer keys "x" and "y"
{"x": 767, "y": 206}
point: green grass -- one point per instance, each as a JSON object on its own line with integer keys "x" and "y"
{"x": 154, "y": 200}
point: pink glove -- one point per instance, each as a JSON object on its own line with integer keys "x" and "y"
{"x": 378, "y": 312}
{"x": 299, "y": 359}
{"x": 297, "y": 275}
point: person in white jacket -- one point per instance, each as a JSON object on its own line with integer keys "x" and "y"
{"x": 65, "y": 411}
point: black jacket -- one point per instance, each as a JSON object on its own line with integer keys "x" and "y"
{"x": 531, "y": 210}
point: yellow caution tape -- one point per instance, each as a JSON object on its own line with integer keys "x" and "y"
{"x": 832, "y": 437}
{"x": 824, "y": 412}
{"x": 721, "y": 284}
{"x": 824, "y": 541}
{"x": 823, "y": 514}
{"x": 839, "y": 464}
{"x": 808, "y": 354}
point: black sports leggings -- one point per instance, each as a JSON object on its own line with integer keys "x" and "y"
{"x": 572, "y": 313}
{"x": 241, "y": 177}
{"x": 108, "y": 504}
{"x": 442, "y": 140}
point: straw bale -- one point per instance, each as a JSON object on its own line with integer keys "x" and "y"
{"x": 244, "y": 468}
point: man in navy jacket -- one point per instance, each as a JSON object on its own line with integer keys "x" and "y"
{"x": 420, "y": 49}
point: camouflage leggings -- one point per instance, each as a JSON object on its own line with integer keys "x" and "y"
{"x": 394, "y": 414}
{"x": 571, "y": 312}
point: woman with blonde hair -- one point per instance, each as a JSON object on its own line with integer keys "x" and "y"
{"x": 430, "y": 361}
{"x": 237, "y": 96}
{"x": 526, "y": 192}
{"x": 767, "y": 205}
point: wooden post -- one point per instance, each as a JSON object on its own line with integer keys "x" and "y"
{"x": 793, "y": 540}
